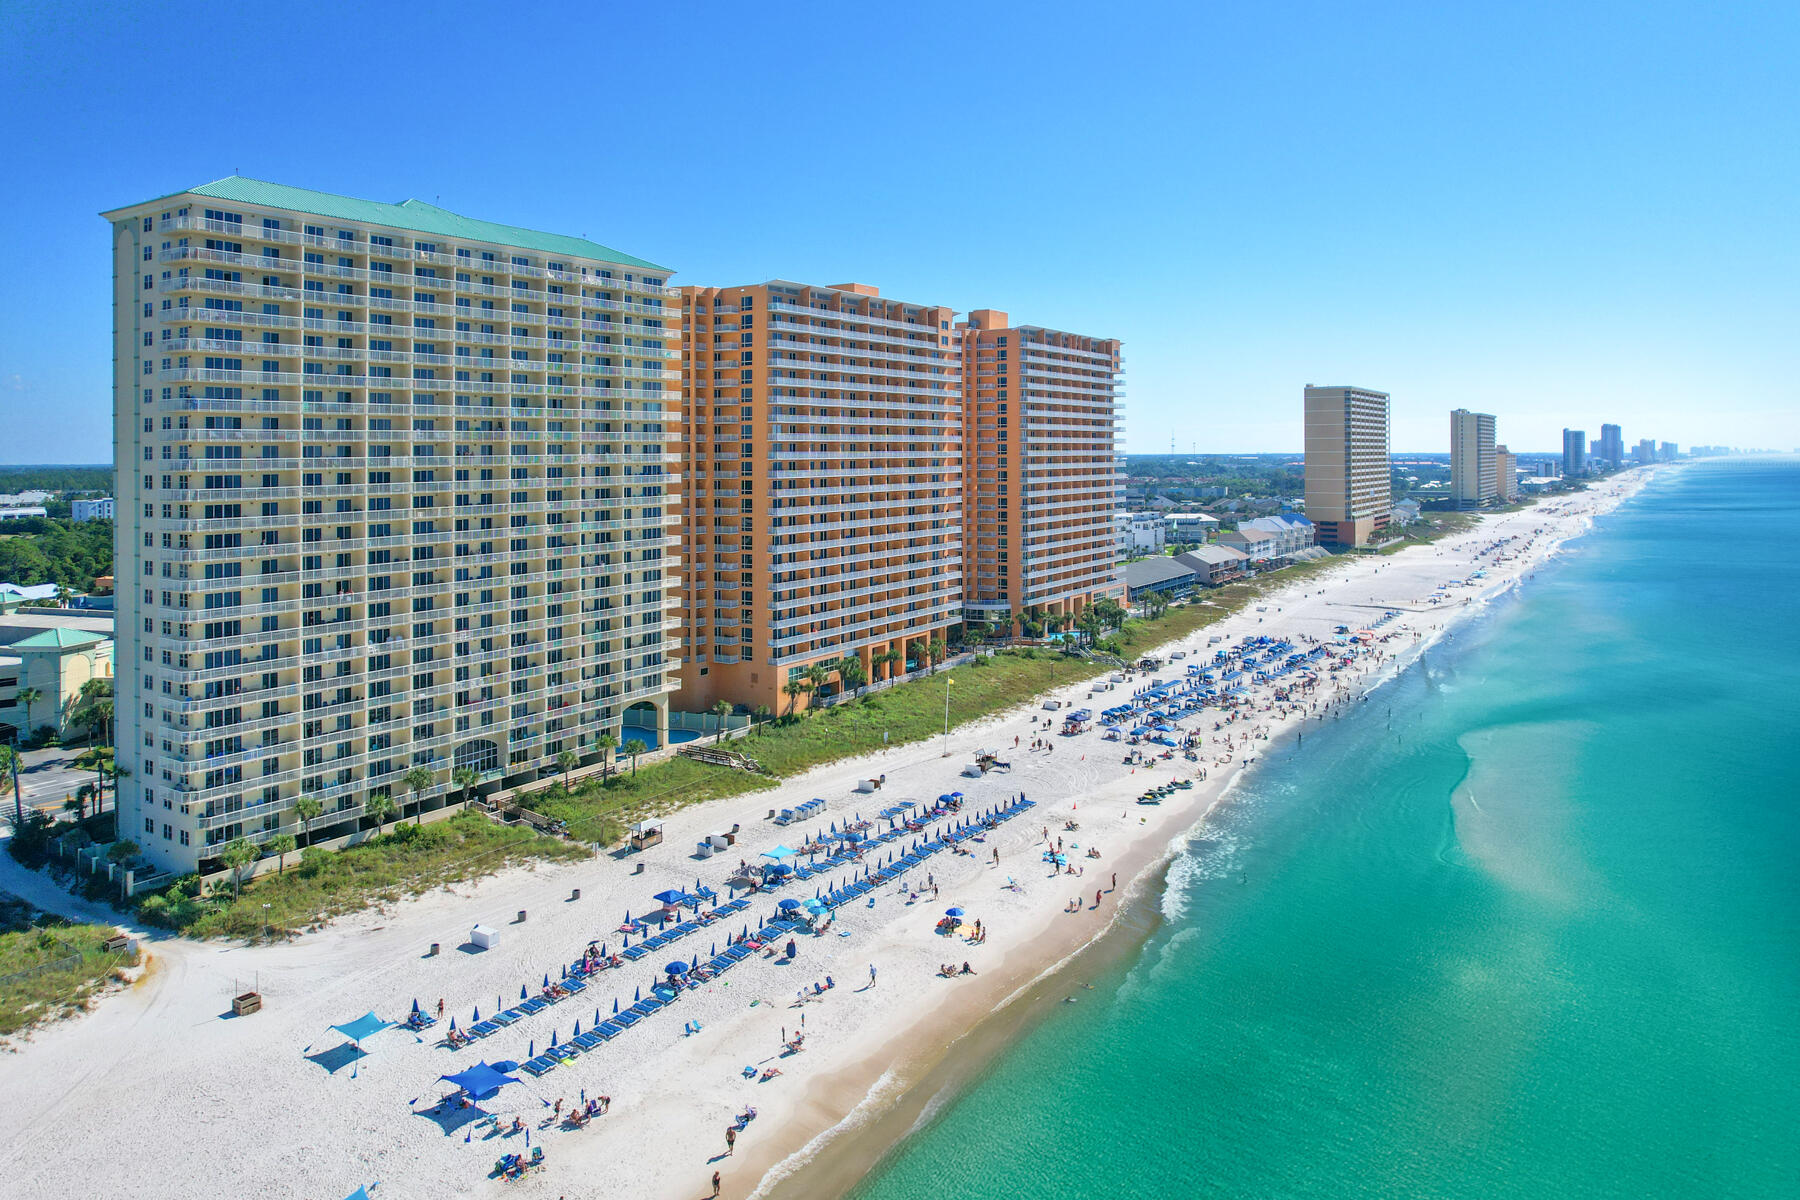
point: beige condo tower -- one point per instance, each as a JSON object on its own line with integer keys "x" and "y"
{"x": 1347, "y": 472}
{"x": 1474, "y": 464}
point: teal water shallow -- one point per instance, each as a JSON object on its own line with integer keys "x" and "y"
{"x": 1526, "y": 924}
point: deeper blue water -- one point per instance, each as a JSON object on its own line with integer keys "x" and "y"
{"x": 1527, "y": 924}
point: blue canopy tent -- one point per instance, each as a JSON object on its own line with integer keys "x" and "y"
{"x": 670, "y": 898}
{"x": 361, "y": 1193}
{"x": 481, "y": 1080}
{"x": 364, "y": 1026}
{"x": 778, "y": 853}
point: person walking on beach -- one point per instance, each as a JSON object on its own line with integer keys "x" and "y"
{"x": 730, "y": 1139}
{"x": 1115, "y": 882}
{"x": 716, "y": 1182}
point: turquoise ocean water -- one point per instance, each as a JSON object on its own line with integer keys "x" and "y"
{"x": 1527, "y": 924}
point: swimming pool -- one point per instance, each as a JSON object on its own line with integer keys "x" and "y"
{"x": 647, "y": 735}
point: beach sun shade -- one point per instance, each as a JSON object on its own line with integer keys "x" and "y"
{"x": 788, "y": 905}
{"x": 676, "y": 968}
{"x": 953, "y": 912}
{"x": 778, "y": 853}
{"x": 671, "y": 897}
{"x": 480, "y": 1080}
{"x": 363, "y": 1026}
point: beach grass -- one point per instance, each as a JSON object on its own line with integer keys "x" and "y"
{"x": 318, "y": 885}
{"x": 64, "y": 964}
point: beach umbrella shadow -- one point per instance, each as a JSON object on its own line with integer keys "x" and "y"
{"x": 338, "y": 1057}
{"x": 451, "y": 1119}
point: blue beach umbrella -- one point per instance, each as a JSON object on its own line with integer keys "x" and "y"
{"x": 523, "y": 991}
{"x": 476, "y": 1019}
{"x": 788, "y": 905}
{"x": 415, "y": 1007}
{"x": 453, "y": 1023}
{"x": 695, "y": 963}
{"x": 637, "y": 994}
{"x": 546, "y": 979}
{"x": 615, "y": 1006}
{"x": 953, "y": 912}
{"x": 531, "y": 1049}
{"x": 553, "y": 1039}
{"x": 577, "y": 1026}
{"x": 676, "y": 968}
{"x": 596, "y": 1015}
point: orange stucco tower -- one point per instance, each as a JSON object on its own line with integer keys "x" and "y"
{"x": 1041, "y": 475}
{"x": 822, "y": 519}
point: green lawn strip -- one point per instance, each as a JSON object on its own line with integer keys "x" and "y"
{"x": 31, "y": 940}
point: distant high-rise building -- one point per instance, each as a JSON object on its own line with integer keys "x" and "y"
{"x": 1348, "y": 477}
{"x": 1646, "y": 451}
{"x": 393, "y": 489}
{"x": 1474, "y": 471}
{"x": 1668, "y": 452}
{"x": 1574, "y": 455}
{"x": 1610, "y": 450}
{"x": 1041, "y": 469}
{"x": 1506, "y": 472}
{"x": 825, "y": 505}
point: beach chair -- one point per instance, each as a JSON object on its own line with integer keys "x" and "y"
{"x": 633, "y": 953}
{"x": 575, "y": 986}
{"x": 533, "y": 1006}
{"x": 626, "y": 1019}
{"x": 484, "y": 1029}
{"x": 506, "y": 1018}
{"x": 607, "y": 1030}
{"x": 539, "y": 1065}
{"x": 589, "y": 1040}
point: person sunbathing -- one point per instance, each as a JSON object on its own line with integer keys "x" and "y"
{"x": 770, "y": 1073}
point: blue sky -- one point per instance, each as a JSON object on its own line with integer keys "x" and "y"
{"x": 1562, "y": 213}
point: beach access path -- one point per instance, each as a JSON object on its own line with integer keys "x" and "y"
{"x": 160, "y": 1092}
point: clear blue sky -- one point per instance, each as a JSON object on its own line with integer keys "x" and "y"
{"x": 1562, "y": 213}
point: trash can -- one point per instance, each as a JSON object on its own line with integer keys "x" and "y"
{"x": 521, "y": 919}
{"x": 434, "y": 951}
{"x": 575, "y": 894}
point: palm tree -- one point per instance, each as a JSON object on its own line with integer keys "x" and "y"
{"x": 379, "y": 806}
{"x": 417, "y": 781}
{"x": 608, "y": 741}
{"x": 852, "y": 673}
{"x": 308, "y": 809}
{"x": 817, "y": 676}
{"x": 237, "y": 855}
{"x": 794, "y": 689}
{"x": 760, "y": 713}
{"x": 633, "y": 748}
{"x": 29, "y": 696}
{"x": 10, "y": 762}
{"x": 721, "y": 709}
{"x": 568, "y": 760}
{"x": 465, "y": 778}
{"x": 934, "y": 650}
{"x": 281, "y": 845}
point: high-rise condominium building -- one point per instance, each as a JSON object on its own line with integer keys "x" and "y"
{"x": 392, "y": 494}
{"x": 1041, "y": 473}
{"x": 1574, "y": 455}
{"x": 1347, "y": 471}
{"x": 1646, "y": 451}
{"x": 1474, "y": 469}
{"x": 1611, "y": 448}
{"x": 1668, "y": 452}
{"x": 1506, "y": 473}
{"x": 824, "y": 512}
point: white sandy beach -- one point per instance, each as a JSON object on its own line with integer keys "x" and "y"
{"x": 156, "y": 1094}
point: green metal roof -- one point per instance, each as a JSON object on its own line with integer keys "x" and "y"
{"x": 414, "y": 215}
{"x": 57, "y": 639}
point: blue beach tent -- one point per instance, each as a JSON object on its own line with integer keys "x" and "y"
{"x": 480, "y": 1081}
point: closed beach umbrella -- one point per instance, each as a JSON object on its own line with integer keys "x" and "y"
{"x": 553, "y": 1039}
{"x": 615, "y": 1006}
{"x": 714, "y": 952}
{"x": 577, "y": 1027}
{"x": 415, "y": 1004}
{"x": 477, "y": 1017}
{"x": 637, "y": 994}
{"x": 453, "y": 1022}
{"x": 695, "y": 963}
{"x": 531, "y": 1049}
{"x": 525, "y": 991}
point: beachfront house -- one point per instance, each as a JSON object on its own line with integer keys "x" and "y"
{"x": 1215, "y": 564}
{"x": 1166, "y": 575}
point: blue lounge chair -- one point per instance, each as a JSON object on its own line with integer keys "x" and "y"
{"x": 626, "y": 1019}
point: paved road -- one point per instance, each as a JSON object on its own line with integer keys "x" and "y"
{"x": 47, "y": 779}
